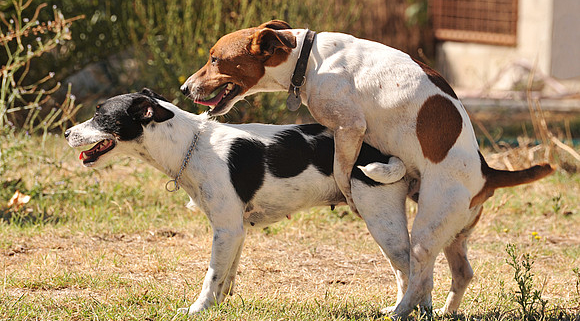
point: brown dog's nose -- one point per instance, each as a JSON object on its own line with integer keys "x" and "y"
{"x": 185, "y": 89}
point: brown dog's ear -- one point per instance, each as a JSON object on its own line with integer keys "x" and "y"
{"x": 275, "y": 24}
{"x": 266, "y": 41}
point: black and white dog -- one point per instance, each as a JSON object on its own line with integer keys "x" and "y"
{"x": 247, "y": 175}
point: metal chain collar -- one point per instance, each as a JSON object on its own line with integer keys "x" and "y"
{"x": 173, "y": 185}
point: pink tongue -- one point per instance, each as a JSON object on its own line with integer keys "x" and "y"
{"x": 214, "y": 101}
{"x": 81, "y": 156}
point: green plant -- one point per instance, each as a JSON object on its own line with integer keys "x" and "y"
{"x": 532, "y": 306}
{"x": 24, "y": 39}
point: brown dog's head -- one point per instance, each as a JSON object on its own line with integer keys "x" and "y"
{"x": 236, "y": 63}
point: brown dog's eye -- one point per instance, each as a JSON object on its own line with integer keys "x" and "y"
{"x": 214, "y": 60}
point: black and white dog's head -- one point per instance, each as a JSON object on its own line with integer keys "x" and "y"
{"x": 118, "y": 120}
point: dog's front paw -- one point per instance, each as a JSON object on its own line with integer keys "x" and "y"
{"x": 441, "y": 312}
{"x": 192, "y": 310}
{"x": 388, "y": 310}
{"x": 180, "y": 313}
{"x": 390, "y": 314}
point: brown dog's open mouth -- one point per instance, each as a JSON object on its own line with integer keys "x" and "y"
{"x": 90, "y": 156}
{"x": 220, "y": 96}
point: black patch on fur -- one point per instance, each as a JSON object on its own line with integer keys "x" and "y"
{"x": 323, "y": 154}
{"x": 112, "y": 117}
{"x": 125, "y": 115}
{"x": 294, "y": 149}
{"x": 312, "y": 129}
{"x": 289, "y": 154}
{"x": 247, "y": 168}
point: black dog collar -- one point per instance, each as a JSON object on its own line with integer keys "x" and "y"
{"x": 299, "y": 76}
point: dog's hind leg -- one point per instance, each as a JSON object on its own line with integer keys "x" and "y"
{"x": 383, "y": 209}
{"x": 443, "y": 211}
{"x": 461, "y": 271}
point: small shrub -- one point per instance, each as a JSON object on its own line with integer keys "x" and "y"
{"x": 532, "y": 306}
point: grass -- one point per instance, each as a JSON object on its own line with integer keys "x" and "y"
{"x": 112, "y": 244}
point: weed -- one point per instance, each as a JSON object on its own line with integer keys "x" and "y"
{"x": 557, "y": 203}
{"x": 532, "y": 306}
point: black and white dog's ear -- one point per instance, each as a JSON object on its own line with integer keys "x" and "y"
{"x": 146, "y": 109}
{"x": 152, "y": 94}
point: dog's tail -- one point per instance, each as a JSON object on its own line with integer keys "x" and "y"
{"x": 385, "y": 173}
{"x": 495, "y": 178}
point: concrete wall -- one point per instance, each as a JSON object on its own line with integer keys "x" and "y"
{"x": 555, "y": 51}
{"x": 566, "y": 39}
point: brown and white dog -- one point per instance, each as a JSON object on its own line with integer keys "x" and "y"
{"x": 364, "y": 90}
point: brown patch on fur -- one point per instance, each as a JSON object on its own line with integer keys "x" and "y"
{"x": 439, "y": 124}
{"x": 495, "y": 178}
{"x": 437, "y": 79}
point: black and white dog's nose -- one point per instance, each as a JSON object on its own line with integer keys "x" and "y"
{"x": 67, "y": 133}
{"x": 185, "y": 89}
